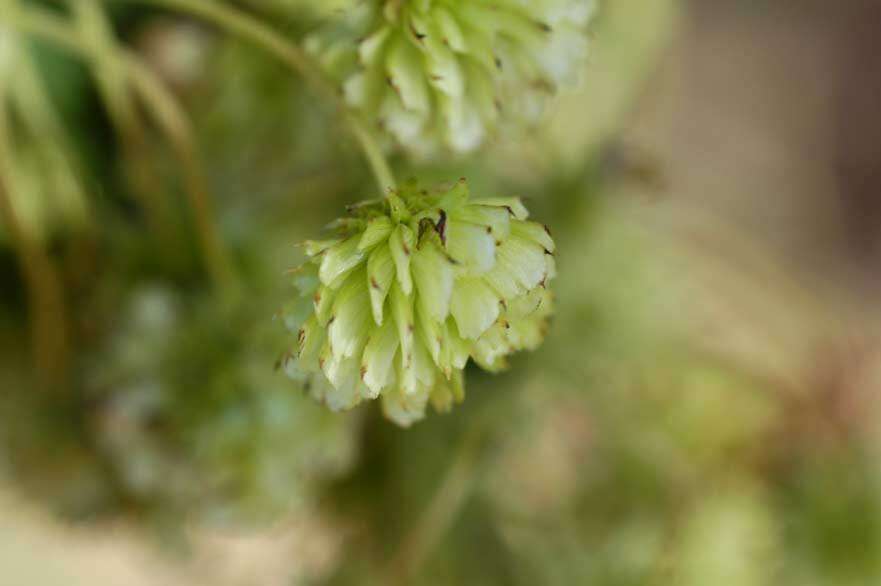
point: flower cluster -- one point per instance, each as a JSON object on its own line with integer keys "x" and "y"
{"x": 441, "y": 72}
{"x": 415, "y": 285}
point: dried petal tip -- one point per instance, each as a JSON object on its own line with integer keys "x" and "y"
{"x": 396, "y": 307}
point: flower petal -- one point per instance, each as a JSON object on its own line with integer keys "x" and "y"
{"x": 496, "y": 218}
{"x": 405, "y": 71}
{"x": 472, "y": 246}
{"x": 513, "y": 204}
{"x": 350, "y": 325}
{"x": 475, "y": 307}
{"x": 534, "y": 232}
{"x": 433, "y": 276}
{"x": 401, "y": 243}
{"x": 339, "y": 260}
{"x": 380, "y": 276}
{"x": 378, "y": 230}
{"x": 378, "y": 357}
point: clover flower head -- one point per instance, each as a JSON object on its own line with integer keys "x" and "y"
{"x": 414, "y": 286}
{"x": 441, "y": 72}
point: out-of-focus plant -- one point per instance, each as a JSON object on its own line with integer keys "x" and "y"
{"x": 444, "y": 73}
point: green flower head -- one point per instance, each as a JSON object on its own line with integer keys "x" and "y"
{"x": 415, "y": 285}
{"x": 441, "y": 72}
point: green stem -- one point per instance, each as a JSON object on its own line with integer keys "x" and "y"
{"x": 170, "y": 118}
{"x": 245, "y": 26}
{"x": 46, "y": 299}
{"x": 442, "y": 511}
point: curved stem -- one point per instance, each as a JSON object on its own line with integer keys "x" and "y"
{"x": 46, "y": 300}
{"x": 170, "y": 118}
{"x": 378, "y": 163}
{"x": 244, "y": 25}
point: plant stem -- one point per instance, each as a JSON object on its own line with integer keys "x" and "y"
{"x": 170, "y": 118}
{"x": 46, "y": 302}
{"x": 246, "y": 26}
{"x": 441, "y": 512}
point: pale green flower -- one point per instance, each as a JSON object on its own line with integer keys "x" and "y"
{"x": 442, "y": 72}
{"x": 415, "y": 285}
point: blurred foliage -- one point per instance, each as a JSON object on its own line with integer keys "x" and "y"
{"x": 633, "y": 448}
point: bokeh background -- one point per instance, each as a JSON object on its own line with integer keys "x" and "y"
{"x": 704, "y": 410}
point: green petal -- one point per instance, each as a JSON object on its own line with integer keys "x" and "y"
{"x": 491, "y": 349}
{"x": 314, "y": 248}
{"x": 372, "y": 46}
{"x": 475, "y": 307}
{"x": 376, "y": 363}
{"x": 305, "y": 279}
{"x": 401, "y": 243}
{"x": 322, "y": 301}
{"x": 497, "y": 219}
{"x": 380, "y": 276}
{"x": 339, "y": 261}
{"x": 346, "y": 387}
{"x": 351, "y": 322}
{"x": 474, "y": 247}
{"x": 433, "y": 275}
{"x": 378, "y": 230}
{"x": 311, "y": 340}
{"x": 430, "y": 333}
{"x": 450, "y": 30}
{"x": 446, "y": 393}
{"x": 520, "y": 267}
{"x": 406, "y": 76}
{"x": 405, "y": 410}
{"x": 402, "y": 312}
{"x": 455, "y": 197}
{"x": 513, "y": 205}
{"x": 296, "y": 312}
{"x": 459, "y": 348}
{"x": 534, "y": 232}
{"x": 444, "y": 72}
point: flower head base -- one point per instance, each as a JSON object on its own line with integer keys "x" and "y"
{"x": 414, "y": 286}
{"x": 441, "y": 72}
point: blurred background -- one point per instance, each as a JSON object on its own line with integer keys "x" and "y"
{"x": 704, "y": 409}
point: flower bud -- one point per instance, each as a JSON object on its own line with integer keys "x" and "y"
{"x": 441, "y": 73}
{"x": 413, "y": 287}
